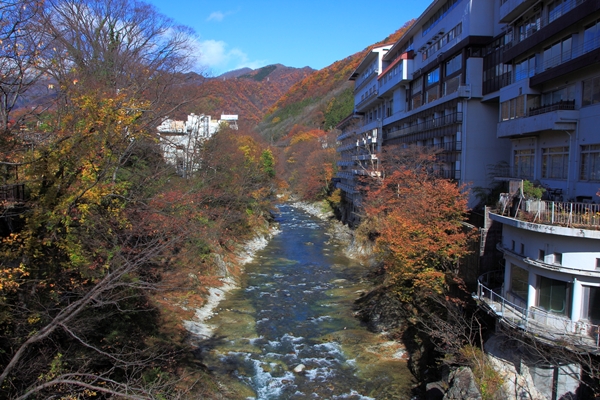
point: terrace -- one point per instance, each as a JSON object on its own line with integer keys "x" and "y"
{"x": 546, "y": 326}
{"x": 559, "y": 213}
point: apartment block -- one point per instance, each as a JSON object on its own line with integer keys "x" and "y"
{"x": 508, "y": 91}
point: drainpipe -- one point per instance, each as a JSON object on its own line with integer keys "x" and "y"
{"x": 571, "y": 149}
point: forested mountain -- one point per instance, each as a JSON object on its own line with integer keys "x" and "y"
{"x": 245, "y": 92}
{"x": 320, "y": 100}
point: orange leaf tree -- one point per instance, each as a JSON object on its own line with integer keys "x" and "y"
{"x": 416, "y": 220}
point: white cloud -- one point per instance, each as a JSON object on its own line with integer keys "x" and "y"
{"x": 215, "y": 56}
{"x": 216, "y": 16}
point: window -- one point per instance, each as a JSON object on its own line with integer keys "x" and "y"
{"x": 590, "y": 163}
{"x": 557, "y": 8}
{"x": 555, "y": 162}
{"x": 558, "y": 258}
{"x": 590, "y": 309}
{"x": 437, "y": 17}
{"x": 454, "y": 64}
{"x": 591, "y": 37}
{"x": 553, "y": 295}
{"x": 433, "y": 77}
{"x": 432, "y": 94}
{"x": 558, "y": 53}
{"x": 519, "y": 279}
{"x": 524, "y": 163}
{"x": 541, "y": 255}
{"x": 512, "y": 245}
{"x": 525, "y": 68}
{"x": 565, "y": 93}
{"x": 513, "y": 108}
{"x": 529, "y": 26}
{"x": 522, "y": 249}
{"x": 591, "y": 91}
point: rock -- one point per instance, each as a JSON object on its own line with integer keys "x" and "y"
{"x": 435, "y": 391}
{"x": 299, "y": 368}
{"x": 462, "y": 385}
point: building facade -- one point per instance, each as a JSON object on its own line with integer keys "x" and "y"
{"x": 181, "y": 141}
{"x": 508, "y": 91}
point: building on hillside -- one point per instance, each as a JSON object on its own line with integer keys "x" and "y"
{"x": 542, "y": 72}
{"x": 181, "y": 141}
{"x": 507, "y": 90}
{"x": 360, "y": 138}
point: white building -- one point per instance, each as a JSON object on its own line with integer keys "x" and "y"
{"x": 181, "y": 141}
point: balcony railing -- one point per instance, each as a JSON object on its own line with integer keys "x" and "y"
{"x": 540, "y": 323}
{"x": 546, "y": 19}
{"x": 429, "y": 124}
{"x": 569, "y": 214}
{"x": 559, "y": 105}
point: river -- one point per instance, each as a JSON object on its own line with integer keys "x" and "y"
{"x": 289, "y": 332}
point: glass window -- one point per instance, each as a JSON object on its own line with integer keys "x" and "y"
{"x": 591, "y": 37}
{"x": 591, "y": 304}
{"x": 519, "y": 285}
{"x": 591, "y": 91}
{"x": 454, "y": 64}
{"x": 433, "y": 76}
{"x": 553, "y": 295}
{"x": 524, "y": 163}
{"x": 417, "y": 85}
{"x": 558, "y": 53}
{"x": 590, "y": 163}
{"x": 555, "y": 162}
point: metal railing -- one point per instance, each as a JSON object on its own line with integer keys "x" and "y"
{"x": 541, "y": 323}
{"x": 546, "y": 19}
{"x": 561, "y": 213}
{"x": 428, "y": 124}
{"x": 559, "y": 105}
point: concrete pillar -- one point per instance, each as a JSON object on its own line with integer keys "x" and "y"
{"x": 531, "y": 295}
{"x": 576, "y": 300}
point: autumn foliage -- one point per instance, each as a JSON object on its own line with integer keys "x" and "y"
{"x": 416, "y": 220}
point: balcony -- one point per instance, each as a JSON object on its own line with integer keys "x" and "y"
{"x": 543, "y": 325}
{"x": 509, "y": 9}
{"x": 346, "y": 188}
{"x": 555, "y": 213}
{"x": 545, "y": 20}
{"x": 430, "y": 124}
{"x": 560, "y": 116}
{"x": 369, "y": 99}
{"x": 396, "y": 75}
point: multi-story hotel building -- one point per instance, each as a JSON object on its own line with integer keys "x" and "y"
{"x": 511, "y": 89}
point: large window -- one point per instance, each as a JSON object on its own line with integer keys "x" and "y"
{"x": 513, "y": 108}
{"x": 433, "y": 77}
{"x": 591, "y": 37}
{"x": 565, "y": 93}
{"x": 591, "y": 304}
{"x": 591, "y": 91}
{"x": 519, "y": 279}
{"x": 524, "y": 163}
{"x": 525, "y": 68}
{"x": 454, "y": 64}
{"x": 590, "y": 163}
{"x": 553, "y": 295}
{"x": 558, "y": 53}
{"x": 555, "y": 162}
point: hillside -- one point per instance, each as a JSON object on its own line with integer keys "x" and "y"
{"x": 245, "y": 92}
{"x": 320, "y": 100}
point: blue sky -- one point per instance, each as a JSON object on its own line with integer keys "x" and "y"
{"x": 232, "y": 34}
